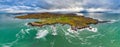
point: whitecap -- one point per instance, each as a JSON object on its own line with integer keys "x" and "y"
{"x": 66, "y": 33}
{"x": 41, "y": 34}
{"x": 27, "y": 31}
{"x": 6, "y": 46}
{"x": 92, "y": 29}
{"x": 113, "y": 21}
{"x": 71, "y": 31}
{"x": 26, "y": 24}
{"x": 81, "y": 29}
{"x": 54, "y": 32}
{"x": 22, "y": 31}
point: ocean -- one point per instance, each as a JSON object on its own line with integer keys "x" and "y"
{"x": 16, "y": 33}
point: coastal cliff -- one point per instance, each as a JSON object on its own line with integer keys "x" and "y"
{"x": 76, "y": 22}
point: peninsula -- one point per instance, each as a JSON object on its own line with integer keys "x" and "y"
{"x": 76, "y": 22}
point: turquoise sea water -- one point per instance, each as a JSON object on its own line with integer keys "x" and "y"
{"x": 15, "y": 33}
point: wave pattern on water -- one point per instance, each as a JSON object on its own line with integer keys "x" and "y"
{"x": 95, "y": 36}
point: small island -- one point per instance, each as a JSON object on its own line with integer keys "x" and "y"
{"x": 76, "y": 22}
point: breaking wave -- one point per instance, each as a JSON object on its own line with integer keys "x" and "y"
{"x": 113, "y": 21}
{"x": 41, "y": 34}
{"x": 54, "y": 30}
{"x": 66, "y": 31}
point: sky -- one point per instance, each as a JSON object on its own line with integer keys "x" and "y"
{"x": 59, "y": 5}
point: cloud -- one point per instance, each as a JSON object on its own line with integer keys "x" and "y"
{"x": 59, "y": 5}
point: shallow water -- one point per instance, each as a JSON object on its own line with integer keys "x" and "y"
{"x": 15, "y": 33}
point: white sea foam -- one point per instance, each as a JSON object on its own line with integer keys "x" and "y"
{"x": 66, "y": 33}
{"x": 70, "y": 30}
{"x": 21, "y": 34}
{"x": 41, "y": 34}
{"x": 22, "y": 31}
{"x": 93, "y": 36}
{"x": 54, "y": 32}
{"x": 76, "y": 32}
{"x": 26, "y": 24}
{"x": 90, "y": 29}
{"x": 6, "y": 46}
{"x": 9, "y": 44}
{"x": 113, "y": 21}
{"x": 27, "y": 31}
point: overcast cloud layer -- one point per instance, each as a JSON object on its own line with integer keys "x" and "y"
{"x": 59, "y": 5}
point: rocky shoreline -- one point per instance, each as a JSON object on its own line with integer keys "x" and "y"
{"x": 76, "y": 22}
